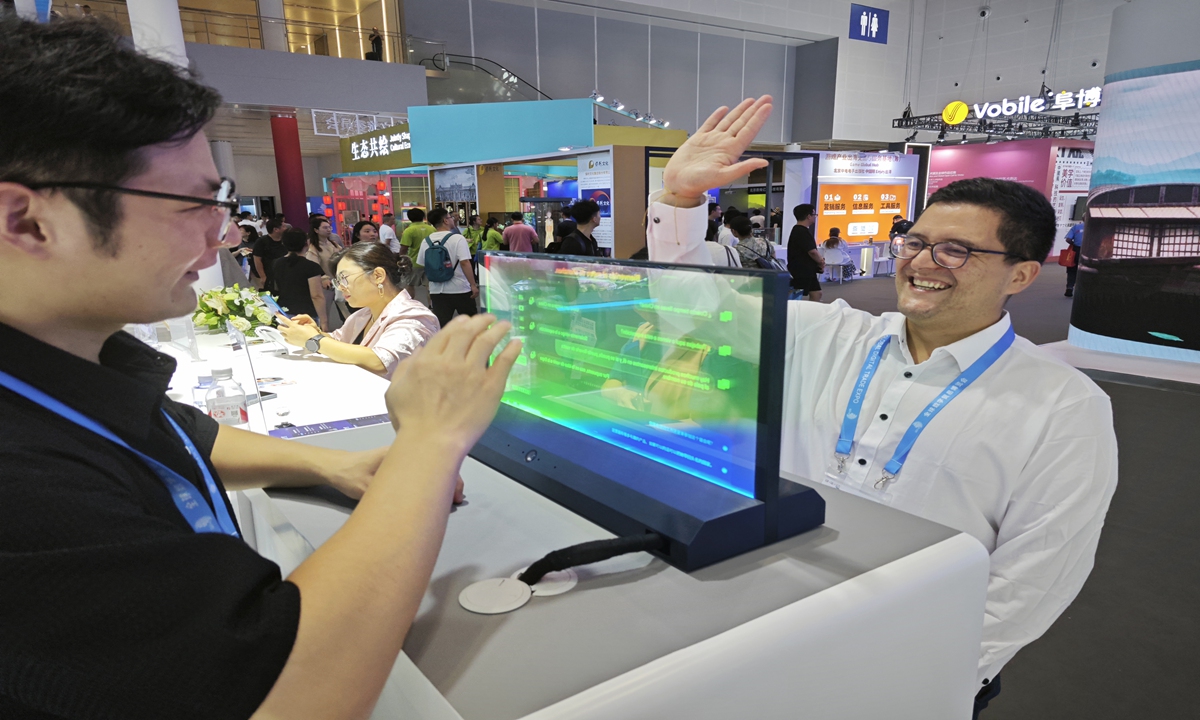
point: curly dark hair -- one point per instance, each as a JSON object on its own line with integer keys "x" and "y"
{"x": 92, "y": 102}
{"x": 1028, "y": 223}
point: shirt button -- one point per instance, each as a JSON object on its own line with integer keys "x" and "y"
{"x": 655, "y": 219}
{"x": 883, "y": 416}
{"x": 862, "y": 461}
{"x": 907, "y": 374}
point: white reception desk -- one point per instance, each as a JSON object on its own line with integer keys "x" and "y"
{"x": 876, "y": 614}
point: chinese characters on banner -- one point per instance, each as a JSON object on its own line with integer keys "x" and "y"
{"x": 863, "y": 213}
{"x": 384, "y": 143}
{"x": 1072, "y": 177}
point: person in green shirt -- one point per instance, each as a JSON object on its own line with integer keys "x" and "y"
{"x": 492, "y": 237}
{"x": 474, "y": 234}
{"x": 415, "y": 233}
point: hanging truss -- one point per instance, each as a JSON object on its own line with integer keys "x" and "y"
{"x": 1023, "y": 125}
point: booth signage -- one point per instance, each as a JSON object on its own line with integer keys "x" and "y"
{"x": 956, "y": 112}
{"x": 595, "y": 183}
{"x": 381, "y": 149}
{"x": 868, "y": 23}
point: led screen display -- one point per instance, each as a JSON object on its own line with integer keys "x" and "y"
{"x": 662, "y": 362}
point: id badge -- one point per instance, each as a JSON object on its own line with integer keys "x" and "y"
{"x": 835, "y": 472}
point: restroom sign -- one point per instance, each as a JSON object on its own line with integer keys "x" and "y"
{"x": 868, "y": 23}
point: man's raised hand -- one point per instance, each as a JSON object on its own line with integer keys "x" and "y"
{"x": 710, "y": 157}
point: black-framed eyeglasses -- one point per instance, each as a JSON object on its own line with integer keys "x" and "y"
{"x": 950, "y": 255}
{"x": 224, "y": 200}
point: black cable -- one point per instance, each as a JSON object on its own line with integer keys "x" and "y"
{"x": 591, "y": 552}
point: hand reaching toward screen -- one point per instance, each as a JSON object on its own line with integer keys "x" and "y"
{"x": 710, "y": 157}
{"x": 446, "y": 394}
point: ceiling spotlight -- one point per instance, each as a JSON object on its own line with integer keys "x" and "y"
{"x": 667, "y": 124}
{"x": 617, "y": 104}
{"x": 1085, "y": 136}
{"x": 597, "y": 96}
{"x": 942, "y": 135}
{"x": 990, "y": 141}
{"x": 912, "y": 137}
{"x": 565, "y": 148}
{"x": 963, "y": 141}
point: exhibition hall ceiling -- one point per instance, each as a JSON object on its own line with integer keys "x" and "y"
{"x": 249, "y": 129}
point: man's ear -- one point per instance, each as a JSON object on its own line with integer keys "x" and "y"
{"x": 21, "y": 228}
{"x": 1023, "y": 275}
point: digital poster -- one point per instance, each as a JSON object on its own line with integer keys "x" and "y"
{"x": 1138, "y": 290}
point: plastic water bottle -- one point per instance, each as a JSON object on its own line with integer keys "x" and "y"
{"x": 225, "y": 399}
{"x": 204, "y": 383}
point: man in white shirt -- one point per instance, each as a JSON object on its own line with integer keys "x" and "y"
{"x": 459, "y": 293}
{"x": 1024, "y": 459}
{"x": 387, "y": 233}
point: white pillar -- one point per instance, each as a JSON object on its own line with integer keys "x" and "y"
{"x": 157, "y": 30}
{"x": 274, "y": 34}
{"x": 27, "y": 9}
{"x": 222, "y": 153}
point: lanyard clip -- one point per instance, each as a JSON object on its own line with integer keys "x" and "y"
{"x": 841, "y": 462}
{"x": 883, "y": 481}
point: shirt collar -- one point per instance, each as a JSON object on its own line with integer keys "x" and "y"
{"x": 965, "y": 352}
{"x": 124, "y": 392}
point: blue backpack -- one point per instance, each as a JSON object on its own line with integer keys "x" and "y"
{"x": 439, "y": 266}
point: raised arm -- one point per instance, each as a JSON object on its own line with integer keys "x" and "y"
{"x": 710, "y": 157}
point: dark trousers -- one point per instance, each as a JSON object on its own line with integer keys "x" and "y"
{"x": 446, "y": 304}
{"x": 1071, "y": 273}
{"x": 986, "y": 695}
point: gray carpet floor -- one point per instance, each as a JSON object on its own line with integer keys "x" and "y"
{"x": 1126, "y": 648}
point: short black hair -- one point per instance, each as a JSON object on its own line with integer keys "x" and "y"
{"x": 437, "y": 216}
{"x": 88, "y": 110}
{"x": 564, "y": 228}
{"x": 245, "y": 215}
{"x": 273, "y": 224}
{"x": 583, "y": 211}
{"x": 516, "y": 216}
{"x": 802, "y": 211}
{"x": 741, "y": 226}
{"x": 713, "y": 206}
{"x": 415, "y": 214}
{"x": 835, "y": 232}
{"x": 1028, "y": 223}
{"x": 294, "y": 240}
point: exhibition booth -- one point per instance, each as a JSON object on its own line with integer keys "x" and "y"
{"x": 758, "y": 591}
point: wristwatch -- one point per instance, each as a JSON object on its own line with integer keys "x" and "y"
{"x": 313, "y": 344}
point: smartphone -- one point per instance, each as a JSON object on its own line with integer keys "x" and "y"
{"x": 274, "y": 306}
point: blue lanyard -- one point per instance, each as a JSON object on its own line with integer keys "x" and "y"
{"x": 845, "y": 444}
{"x": 193, "y": 509}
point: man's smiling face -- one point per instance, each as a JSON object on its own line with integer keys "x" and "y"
{"x": 971, "y": 296}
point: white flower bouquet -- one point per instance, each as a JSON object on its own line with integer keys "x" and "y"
{"x": 239, "y": 307}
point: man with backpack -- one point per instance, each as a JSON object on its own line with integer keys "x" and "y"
{"x": 445, "y": 258}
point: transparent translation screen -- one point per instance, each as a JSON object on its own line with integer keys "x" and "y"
{"x": 658, "y": 362}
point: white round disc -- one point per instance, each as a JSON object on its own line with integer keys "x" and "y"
{"x": 555, "y": 583}
{"x": 494, "y": 597}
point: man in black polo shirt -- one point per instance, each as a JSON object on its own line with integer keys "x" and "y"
{"x": 125, "y": 589}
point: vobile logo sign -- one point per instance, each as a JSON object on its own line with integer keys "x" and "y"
{"x": 957, "y": 112}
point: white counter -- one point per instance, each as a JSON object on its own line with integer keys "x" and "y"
{"x": 876, "y": 614}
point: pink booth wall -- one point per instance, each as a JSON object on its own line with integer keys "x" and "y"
{"x": 1030, "y": 162}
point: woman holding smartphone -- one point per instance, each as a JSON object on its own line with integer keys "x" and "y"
{"x": 388, "y": 327}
